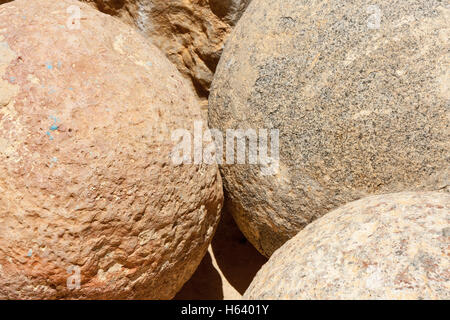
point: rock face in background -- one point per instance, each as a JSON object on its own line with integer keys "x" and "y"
{"x": 361, "y": 107}
{"x": 190, "y": 32}
{"x": 229, "y": 11}
{"x": 392, "y": 246}
{"x": 91, "y": 204}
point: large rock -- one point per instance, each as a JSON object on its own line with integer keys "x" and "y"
{"x": 190, "y": 32}
{"x": 91, "y": 205}
{"x": 392, "y": 246}
{"x": 229, "y": 10}
{"x": 361, "y": 107}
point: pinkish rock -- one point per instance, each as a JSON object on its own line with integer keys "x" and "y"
{"x": 91, "y": 205}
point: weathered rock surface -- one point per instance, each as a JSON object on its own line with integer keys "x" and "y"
{"x": 392, "y": 246}
{"x": 87, "y": 188}
{"x": 361, "y": 110}
{"x": 191, "y": 33}
{"x": 229, "y": 10}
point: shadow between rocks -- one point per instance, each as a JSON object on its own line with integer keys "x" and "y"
{"x": 228, "y": 268}
{"x": 236, "y": 257}
{"x": 205, "y": 283}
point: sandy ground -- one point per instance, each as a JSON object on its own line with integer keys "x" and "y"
{"x": 228, "y": 267}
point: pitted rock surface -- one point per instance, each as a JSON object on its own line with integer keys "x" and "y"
{"x": 86, "y": 180}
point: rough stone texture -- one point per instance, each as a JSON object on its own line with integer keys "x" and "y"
{"x": 190, "y": 32}
{"x": 393, "y": 246}
{"x": 86, "y": 178}
{"x": 360, "y": 111}
{"x": 229, "y": 10}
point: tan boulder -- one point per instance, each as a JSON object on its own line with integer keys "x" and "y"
{"x": 393, "y": 246}
{"x": 91, "y": 205}
{"x": 359, "y": 95}
{"x": 229, "y": 11}
{"x": 191, "y": 33}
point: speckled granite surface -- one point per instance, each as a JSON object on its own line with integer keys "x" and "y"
{"x": 362, "y": 105}
{"x": 394, "y": 246}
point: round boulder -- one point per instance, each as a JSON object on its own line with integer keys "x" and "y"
{"x": 360, "y": 98}
{"x": 91, "y": 205}
{"x": 393, "y": 246}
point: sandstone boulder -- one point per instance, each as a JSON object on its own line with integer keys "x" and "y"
{"x": 359, "y": 95}
{"x": 91, "y": 205}
{"x": 191, "y": 33}
{"x": 393, "y": 246}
